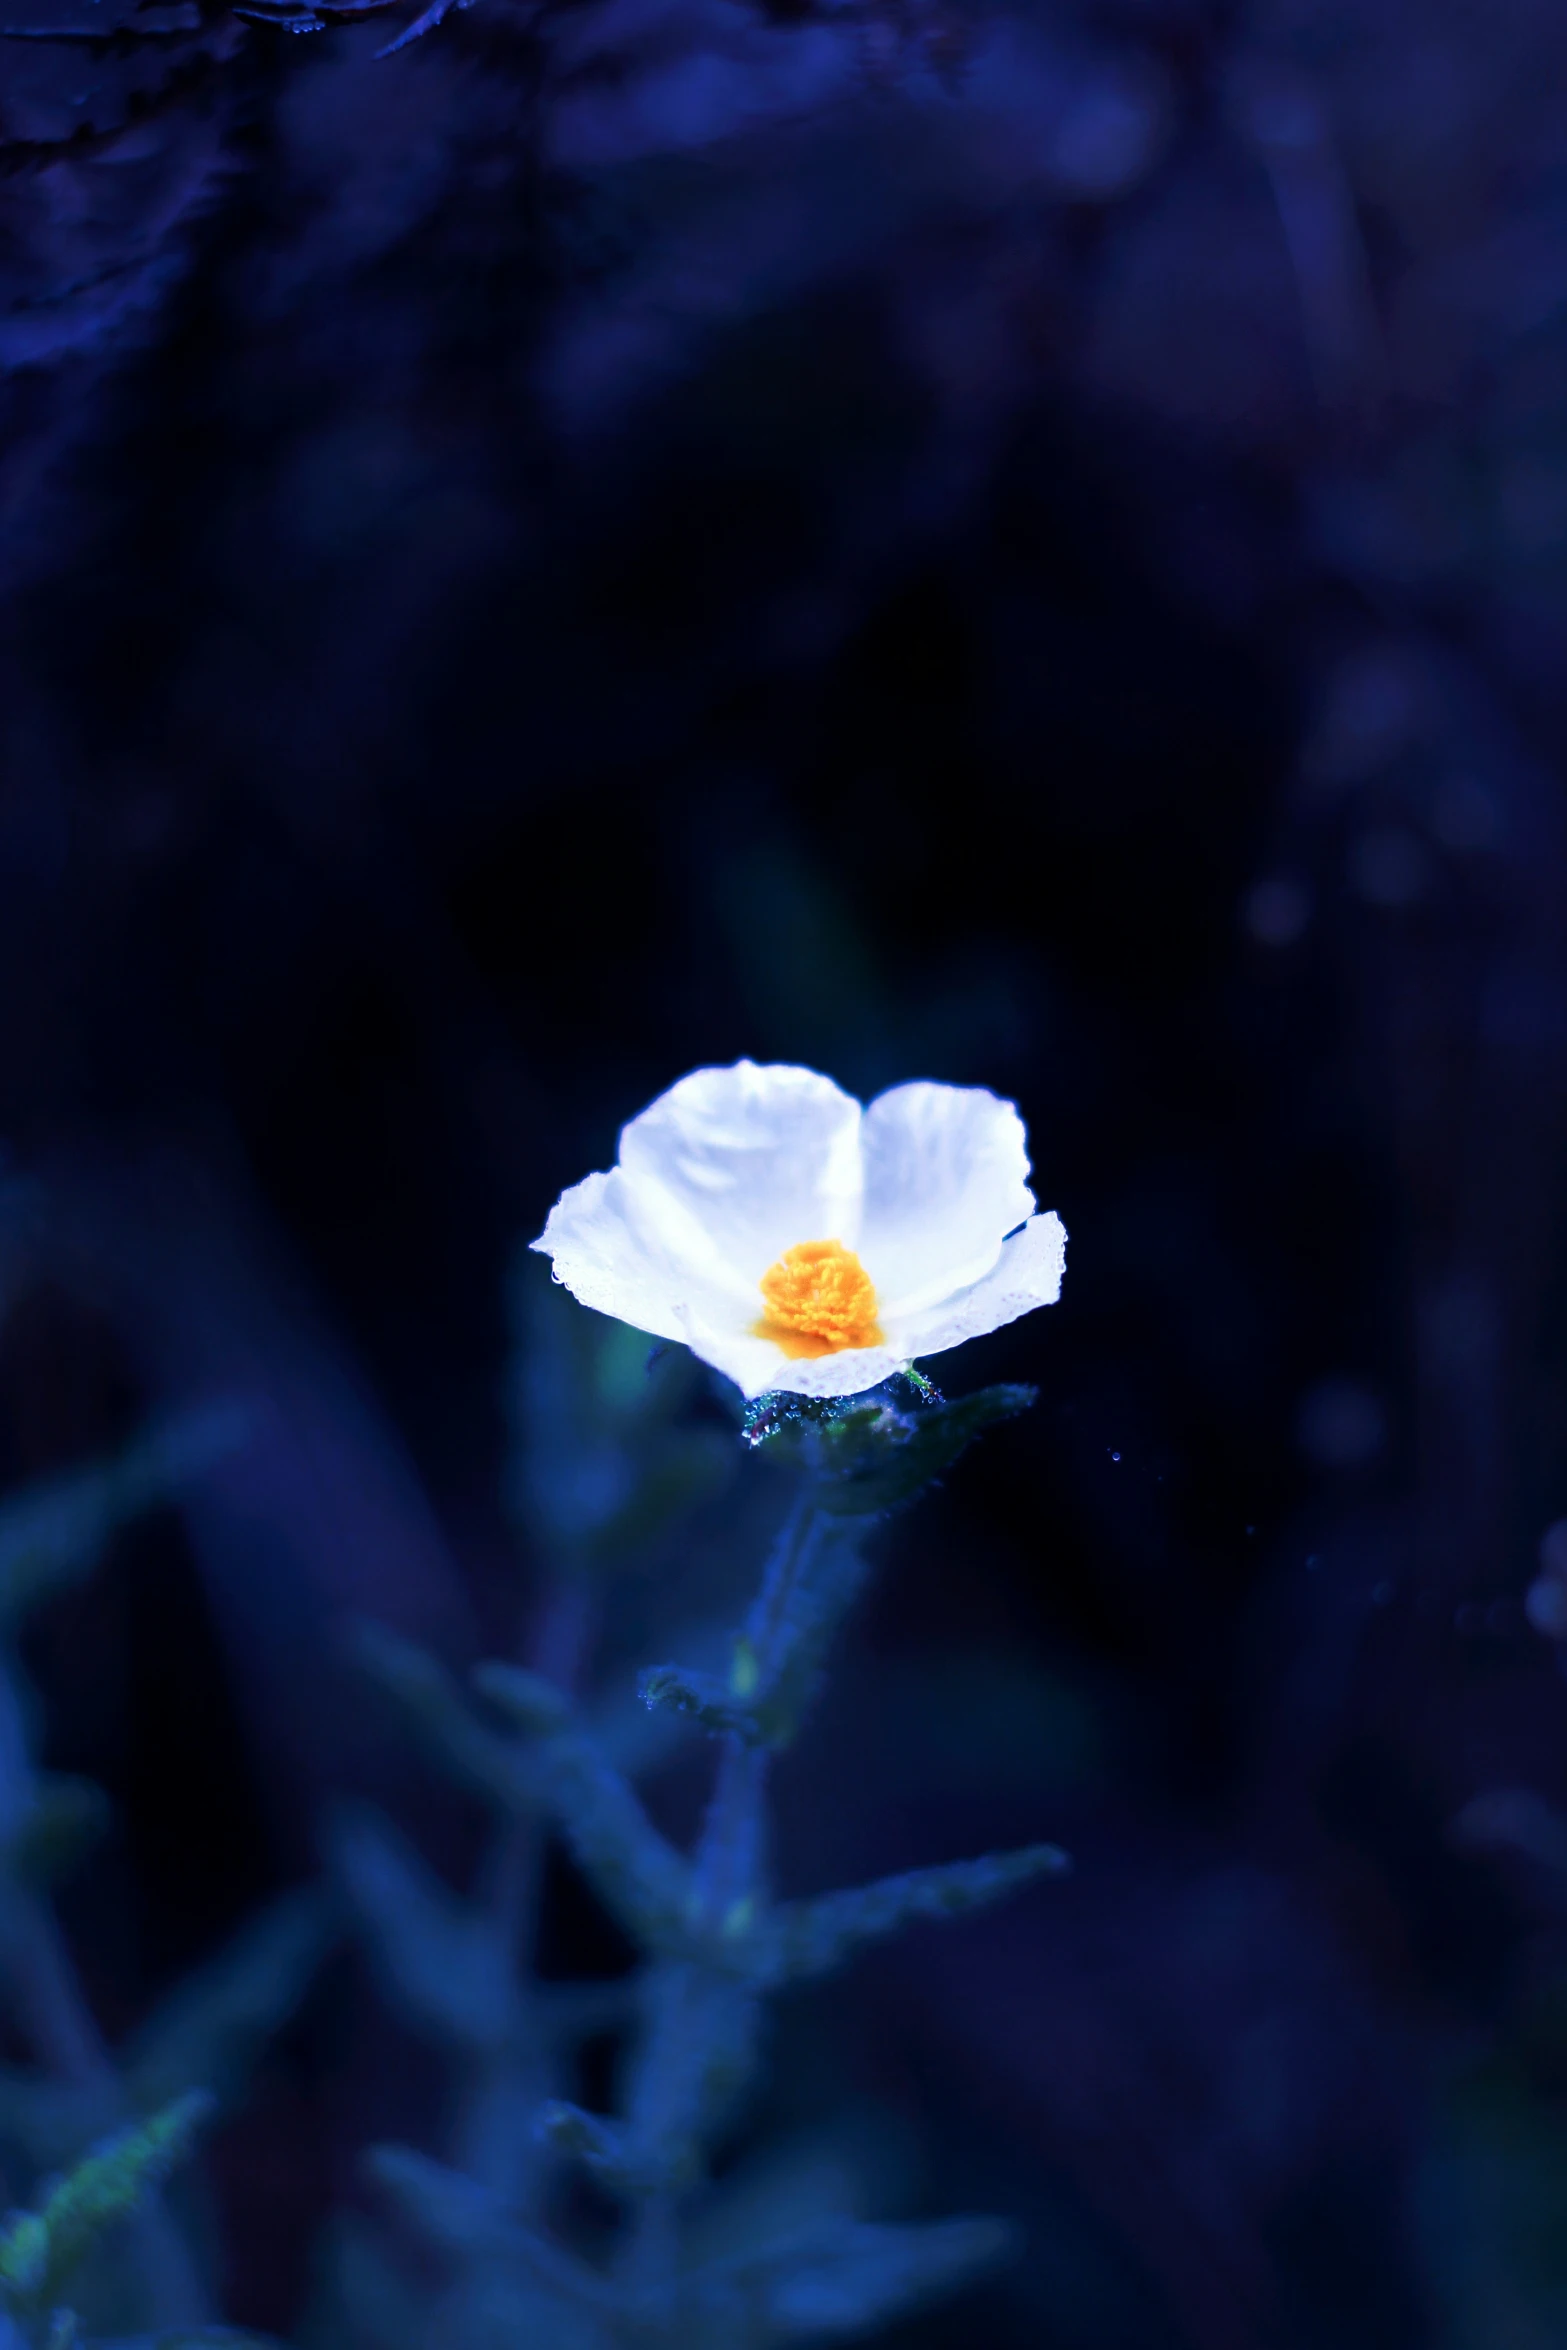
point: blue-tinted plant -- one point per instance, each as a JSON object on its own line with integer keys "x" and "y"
{"x": 642, "y": 2252}
{"x": 97, "y": 2129}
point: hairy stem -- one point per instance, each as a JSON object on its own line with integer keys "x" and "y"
{"x": 731, "y": 1857}
{"x": 790, "y": 1558}
{"x": 701, "y": 2026}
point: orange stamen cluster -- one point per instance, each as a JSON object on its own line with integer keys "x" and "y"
{"x": 820, "y": 1300}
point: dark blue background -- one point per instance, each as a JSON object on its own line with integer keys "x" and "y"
{"x": 1030, "y": 550}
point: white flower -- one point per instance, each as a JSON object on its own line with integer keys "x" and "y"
{"x": 796, "y": 1241}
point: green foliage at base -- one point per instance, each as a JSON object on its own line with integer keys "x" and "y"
{"x": 40, "y": 2250}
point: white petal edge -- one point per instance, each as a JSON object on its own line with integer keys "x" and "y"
{"x": 607, "y": 1263}
{"x": 758, "y": 1366}
{"x": 732, "y": 1166}
{"x": 946, "y": 1178}
{"x": 1026, "y": 1274}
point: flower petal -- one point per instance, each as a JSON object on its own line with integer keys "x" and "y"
{"x": 758, "y": 1366}
{"x": 606, "y": 1262}
{"x": 1026, "y": 1274}
{"x": 946, "y": 1177}
{"x": 732, "y": 1166}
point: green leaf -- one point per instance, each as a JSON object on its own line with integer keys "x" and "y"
{"x": 877, "y": 1457}
{"x": 39, "y": 2249}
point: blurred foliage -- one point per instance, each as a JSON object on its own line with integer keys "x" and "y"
{"x": 40, "y": 2250}
{"x": 1021, "y": 542}
{"x": 1491, "y": 2196}
{"x": 67, "y": 2110}
{"x": 603, "y": 1466}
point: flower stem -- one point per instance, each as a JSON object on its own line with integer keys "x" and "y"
{"x": 699, "y": 2043}
{"x": 791, "y": 1556}
{"x": 731, "y": 1857}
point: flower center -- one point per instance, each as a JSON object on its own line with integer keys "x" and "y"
{"x": 819, "y": 1300}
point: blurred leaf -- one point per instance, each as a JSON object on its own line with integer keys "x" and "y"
{"x": 459, "y": 2217}
{"x": 877, "y": 1458}
{"x": 209, "y": 2032}
{"x": 65, "y": 1819}
{"x": 601, "y": 1468}
{"x": 374, "y": 2301}
{"x": 779, "y": 2193}
{"x": 640, "y": 1878}
{"x": 217, "y": 2337}
{"x": 52, "y": 1534}
{"x": 432, "y": 1702}
{"x": 842, "y": 2277}
{"x": 51, "y": 2121}
{"x": 1490, "y": 2201}
{"x": 452, "y": 2211}
{"x": 199, "y": 2338}
{"x": 498, "y": 2302}
{"x": 804, "y": 1938}
{"x": 39, "y": 2249}
{"x": 635, "y": 1740}
{"x": 535, "y": 1705}
{"x": 599, "y": 2145}
{"x": 701, "y": 1697}
{"x": 587, "y": 2010}
{"x": 447, "y": 1966}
